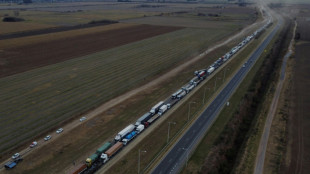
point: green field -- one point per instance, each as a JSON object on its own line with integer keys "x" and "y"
{"x": 39, "y": 99}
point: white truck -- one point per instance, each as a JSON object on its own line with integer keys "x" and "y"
{"x": 210, "y": 70}
{"x": 124, "y": 132}
{"x": 162, "y": 110}
{"x": 155, "y": 108}
{"x": 174, "y": 95}
{"x": 140, "y": 128}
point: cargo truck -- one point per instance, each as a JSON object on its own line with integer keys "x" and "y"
{"x": 129, "y": 137}
{"x": 111, "y": 152}
{"x": 172, "y": 103}
{"x": 210, "y": 70}
{"x": 124, "y": 132}
{"x": 180, "y": 96}
{"x": 140, "y": 128}
{"x": 79, "y": 169}
{"x": 195, "y": 81}
{"x": 155, "y": 108}
{"x": 93, "y": 158}
{"x": 162, "y": 110}
{"x": 143, "y": 118}
{"x": 174, "y": 95}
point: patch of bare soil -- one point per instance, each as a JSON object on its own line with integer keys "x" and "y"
{"x": 31, "y": 56}
{"x": 299, "y": 120}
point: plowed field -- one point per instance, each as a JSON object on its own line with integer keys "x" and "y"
{"x": 30, "y": 56}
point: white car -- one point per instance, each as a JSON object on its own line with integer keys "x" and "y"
{"x": 33, "y": 144}
{"x": 15, "y": 156}
{"x": 47, "y": 138}
{"x": 59, "y": 130}
{"x": 82, "y": 119}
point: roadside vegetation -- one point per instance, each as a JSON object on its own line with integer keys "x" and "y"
{"x": 218, "y": 151}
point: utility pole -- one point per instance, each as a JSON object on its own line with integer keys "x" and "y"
{"x": 169, "y": 130}
{"x": 144, "y": 151}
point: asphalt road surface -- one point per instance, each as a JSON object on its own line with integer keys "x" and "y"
{"x": 178, "y": 155}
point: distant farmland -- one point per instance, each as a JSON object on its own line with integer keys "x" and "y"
{"x": 35, "y": 100}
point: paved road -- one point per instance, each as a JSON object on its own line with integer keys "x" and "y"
{"x": 178, "y": 155}
{"x": 260, "y": 158}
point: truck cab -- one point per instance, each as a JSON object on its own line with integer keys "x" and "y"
{"x": 91, "y": 160}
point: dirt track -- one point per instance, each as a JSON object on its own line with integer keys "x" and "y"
{"x": 31, "y": 56}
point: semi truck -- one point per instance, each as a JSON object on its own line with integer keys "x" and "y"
{"x": 172, "y": 103}
{"x": 155, "y": 108}
{"x": 210, "y": 70}
{"x": 162, "y": 109}
{"x": 143, "y": 118}
{"x": 111, "y": 151}
{"x": 124, "y": 132}
{"x": 195, "y": 81}
{"x": 140, "y": 128}
{"x": 180, "y": 96}
{"x": 129, "y": 137}
{"x": 174, "y": 95}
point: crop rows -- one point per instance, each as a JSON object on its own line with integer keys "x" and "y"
{"x": 40, "y": 98}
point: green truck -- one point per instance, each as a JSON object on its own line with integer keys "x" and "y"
{"x": 94, "y": 157}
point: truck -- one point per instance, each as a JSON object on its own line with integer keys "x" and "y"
{"x": 202, "y": 74}
{"x": 187, "y": 88}
{"x": 90, "y": 160}
{"x": 111, "y": 151}
{"x": 143, "y": 118}
{"x": 129, "y": 137}
{"x": 153, "y": 119}
{"x": 124, "y": 132}
{"x": 79, "y": 169}
{"x": 10, "y": 165}
{"x": 171, "y": 103}
{"x": 210, "y": 70}
{"x": 94, "y": 157}
{"x": 180, "y": 96}
{"x": 162, "y": 109}
{"x": 195, "y": 81}
{"x": 140, "y": 128}
{"x": 174, "y": 95}
{"x": 155, "y": 108}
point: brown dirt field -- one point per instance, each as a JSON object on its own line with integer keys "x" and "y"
{"x": 299, "y": 120}
{"x": 30, "y": 56}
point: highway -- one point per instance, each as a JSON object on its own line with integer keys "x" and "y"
{"x": 178, "y": 155}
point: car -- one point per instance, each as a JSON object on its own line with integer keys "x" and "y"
{"x": 15, "y": 156}
{"x": 243, "y": 66}
{"x": 59, "y": 130}
{"x": 33, "y": 144}
{"x": 47, "y": 138}
{"x": 82, "y": 119}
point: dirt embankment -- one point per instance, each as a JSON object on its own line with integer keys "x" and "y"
{"x": 31, "y": 56}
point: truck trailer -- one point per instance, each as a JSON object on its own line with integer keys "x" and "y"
{"x": 162, "y": 109}
{"x": 79, "y": 169}
{"x": 124, "y": 132}
{"x": 143, "y": 118}
{"x": 210, "y": 70}
{"x": 155, "y": 108}
{"x": 111, "y": 151}
{"x": 129, "y": 137}
{"x": 174, "y": 95}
